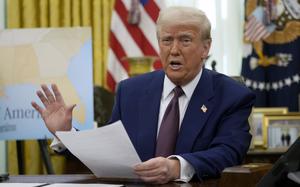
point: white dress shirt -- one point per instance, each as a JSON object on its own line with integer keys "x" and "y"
{"x": 186, "y": 169}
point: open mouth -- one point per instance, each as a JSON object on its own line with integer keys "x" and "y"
{"x": 175, "y": 65}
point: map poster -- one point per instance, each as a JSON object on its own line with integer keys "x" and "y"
{"x": 31, "y": 57}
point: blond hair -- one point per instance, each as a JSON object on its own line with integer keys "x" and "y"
{"x": 185, "y": 16}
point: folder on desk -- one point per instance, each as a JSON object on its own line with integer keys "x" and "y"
{"x": 106, "y": 151}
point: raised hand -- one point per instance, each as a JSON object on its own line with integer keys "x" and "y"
{"x": 56, "y": 115}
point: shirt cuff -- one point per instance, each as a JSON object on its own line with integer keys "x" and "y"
{"x": 57, "y": 145}
{"x": 187, "y": 171}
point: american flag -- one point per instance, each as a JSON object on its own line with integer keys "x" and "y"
{"x": 256, "y": 28}
{"x": 132, "y": 34}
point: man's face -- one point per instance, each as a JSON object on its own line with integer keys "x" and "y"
{"x": 182, "y": 51}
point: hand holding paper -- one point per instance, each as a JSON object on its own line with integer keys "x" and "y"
{"x": 106, "y": 151}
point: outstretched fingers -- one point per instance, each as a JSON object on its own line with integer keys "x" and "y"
{"x": 57, "y": 94}
{"x": 70, "y": 109}
{"x": 42, "y": 98}
{"x": 37, "y": 107}
{"x": 49, "y": 95}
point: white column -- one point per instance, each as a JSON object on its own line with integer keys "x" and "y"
{"x": 3, "y": 151}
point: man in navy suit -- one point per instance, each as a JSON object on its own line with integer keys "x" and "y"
{"x": 213, "y": 109}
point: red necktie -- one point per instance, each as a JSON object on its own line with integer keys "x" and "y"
{"x": 166, "y": 140}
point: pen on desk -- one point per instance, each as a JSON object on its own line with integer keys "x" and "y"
{"x": 42, "y": 185}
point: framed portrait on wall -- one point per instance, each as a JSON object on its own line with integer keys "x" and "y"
{"x": 280, "y": 131}
{"x": 256, "y": 123}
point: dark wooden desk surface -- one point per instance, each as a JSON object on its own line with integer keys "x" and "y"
{"x": 87, "y": 178}
{"x": 264, "y": 155}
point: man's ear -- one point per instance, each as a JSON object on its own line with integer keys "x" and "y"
{"x": 206, "y": 46}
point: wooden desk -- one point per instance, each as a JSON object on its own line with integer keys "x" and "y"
{"x": 264, "y": 156}
{"x": 87, "y": 178}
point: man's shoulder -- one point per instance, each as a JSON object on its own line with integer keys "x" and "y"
{"x": 144, "y": 80}
{"x": 227, "y": 84}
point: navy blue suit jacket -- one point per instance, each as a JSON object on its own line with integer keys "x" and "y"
{"x": 209, "y": 141}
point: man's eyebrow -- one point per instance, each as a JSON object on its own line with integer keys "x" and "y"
{"x": 166, "y": 36}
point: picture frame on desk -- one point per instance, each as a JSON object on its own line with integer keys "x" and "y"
{"x": 281, "y": 131}
{"x": 256, "y": 123}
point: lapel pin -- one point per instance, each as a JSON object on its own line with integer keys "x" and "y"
{"x": 203, "y": 108}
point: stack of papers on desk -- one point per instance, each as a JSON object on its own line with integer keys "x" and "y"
{"x": 106, "y": 151}
{"x": 56, "y": 185}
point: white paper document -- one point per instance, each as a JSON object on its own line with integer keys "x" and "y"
{"x": 82, "y": 185}
{"x": 21, "y": 184}
{"x": 106, "y": 151}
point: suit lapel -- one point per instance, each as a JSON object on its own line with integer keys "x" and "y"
{"x": 195, "y": 118}
{"x": 148, "y": 117}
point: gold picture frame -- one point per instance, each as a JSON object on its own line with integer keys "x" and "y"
{"x": 280, "y": 131}
{"x": 256, "y": 123}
